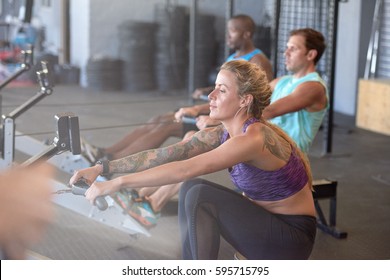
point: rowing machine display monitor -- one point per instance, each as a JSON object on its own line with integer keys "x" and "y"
{"x": 67, "y": 139}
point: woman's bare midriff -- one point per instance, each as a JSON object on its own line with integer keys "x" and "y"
{"x": 301, "y": 203}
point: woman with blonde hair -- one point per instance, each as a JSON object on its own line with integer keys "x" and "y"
{"x": 271, "y": 216}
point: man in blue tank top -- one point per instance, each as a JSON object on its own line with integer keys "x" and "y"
{"x": 240, "y": 30}
{"x": 299, "y": 101}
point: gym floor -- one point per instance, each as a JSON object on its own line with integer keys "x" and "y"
{"x": 359, "y": 162}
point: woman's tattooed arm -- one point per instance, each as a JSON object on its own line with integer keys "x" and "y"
{"x": 202, "y": 141}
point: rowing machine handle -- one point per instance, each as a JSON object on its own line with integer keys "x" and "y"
{"x": 81, "y": 186}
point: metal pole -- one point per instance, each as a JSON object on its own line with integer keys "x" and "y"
{"x": 329, "y": 131}
{"x": 228, "y": 15}
{"x": 65, "y": 52}
{"x": 373, "y": 45}
{"x": 28, "y": 61}
{"x": 192, "y": 53}
{"x": 274, "y": 47}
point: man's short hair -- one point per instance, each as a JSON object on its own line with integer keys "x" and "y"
{"x": 313, "y": 40}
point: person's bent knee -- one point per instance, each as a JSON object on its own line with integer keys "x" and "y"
{"x": 192, "y": 182}
{"x": 187, "y": 185}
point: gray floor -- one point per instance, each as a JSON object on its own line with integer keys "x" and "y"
{"x": 359, "y": 162}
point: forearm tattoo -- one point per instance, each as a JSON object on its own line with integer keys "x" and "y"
{"x": 203, "y": 141}
{"x": 280, "y": 149}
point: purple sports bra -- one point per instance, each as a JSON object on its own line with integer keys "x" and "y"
{"x": 259, "y": 184}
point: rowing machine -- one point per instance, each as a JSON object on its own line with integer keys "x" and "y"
{"x": 7, "y": 141}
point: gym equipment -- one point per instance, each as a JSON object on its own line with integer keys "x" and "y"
{"x": 188, "y": 119}
{"x": 11, "y": 139}
{"x": 79, "y": 188}
{"x": 7, "y": 141}
{"x": 107, "y": 211}
{"x": 64, "y": 153}
{"x": 67, "y": 139}
{"x": 326, "y": 189}
{"x": 204, "y": 97}
{"x": 25, "y": 66}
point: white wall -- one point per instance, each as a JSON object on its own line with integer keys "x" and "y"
{"x": 347, "y": 57}
{"x": 49, "y": 17}
{"x": 79, "y": 35}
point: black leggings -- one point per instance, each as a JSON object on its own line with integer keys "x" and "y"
{"x": 208, "y": 211}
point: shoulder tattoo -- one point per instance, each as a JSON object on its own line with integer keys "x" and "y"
{"x": 275, "y": 144}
